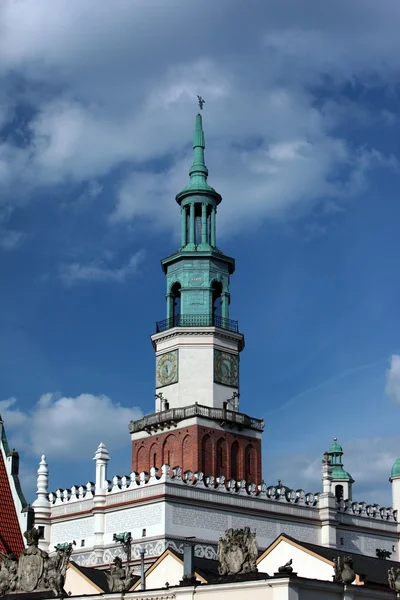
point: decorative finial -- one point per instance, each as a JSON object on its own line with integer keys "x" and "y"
{"x": 335, "y": 439}
{"x": 201, "y": 101}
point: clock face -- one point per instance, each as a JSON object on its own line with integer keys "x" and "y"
{"x": 226, "y": 368}
{"x": 167, "y": 369}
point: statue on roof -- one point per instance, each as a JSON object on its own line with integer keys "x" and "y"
{"x": 344, "y": 572}
{"x": 237, "y": 552}
{"x": 35, "y": 570}
{"x": 201, "y": 102}
{"x": 119, "y": 579}
{"x": 394, "y": 579}
{"x": 8, "y": 573}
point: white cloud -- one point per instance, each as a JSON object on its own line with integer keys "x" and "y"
{"x": 393, "y": 379}
{"x": 104, "y": 100}
{"x": 68, "y": 428}
{"x": 10, "y": 239}
{"x": 100, "y": 270}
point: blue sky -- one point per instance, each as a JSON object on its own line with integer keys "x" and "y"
{"x": 97, "y": 107}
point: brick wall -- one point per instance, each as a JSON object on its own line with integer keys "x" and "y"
{"x": 199, "y": 448}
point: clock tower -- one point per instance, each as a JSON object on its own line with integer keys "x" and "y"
{"x": 197, "y": 424}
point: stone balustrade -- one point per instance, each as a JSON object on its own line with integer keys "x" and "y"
{"x": 279, "y": 493}
{"x": 371, "y": 511}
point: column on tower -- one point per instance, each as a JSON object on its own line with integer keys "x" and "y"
{"x": 213, "y": 228}
{"x": 204, "y": 223}
{"x": 192, "y": 224}
{"x": 183, "y": 226}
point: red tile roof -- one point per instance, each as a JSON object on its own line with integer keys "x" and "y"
{"x": 11, "y": 539}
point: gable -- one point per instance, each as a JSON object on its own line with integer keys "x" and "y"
{"x": 305, "y": 563}
{"x": 168, "y": 568}
{"x": 77, "y": 584}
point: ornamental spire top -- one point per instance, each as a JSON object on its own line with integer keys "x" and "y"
{"x": 198, "y": 171}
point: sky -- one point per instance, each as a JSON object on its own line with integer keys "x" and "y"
{"x": 302, "y": 126}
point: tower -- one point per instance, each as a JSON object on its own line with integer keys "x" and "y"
{"x": 341, "y": 480}
{"x": 197, "y": 424}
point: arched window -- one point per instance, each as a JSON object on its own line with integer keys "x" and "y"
{"x": 154, "y": 456}
{"x": 206, "y": 455}
{"x": 176, "y": 304}
{"x": 234, "y": 460}
{"x": 221, "y": 457}
{"x": 186, "y": 447}
{"x": 217, "y": 301}
{"x": 170, "y": 452}
{"x": 250, "y": 463}
{"x": 339, "y": 492}
{"x": 141, "y": 462}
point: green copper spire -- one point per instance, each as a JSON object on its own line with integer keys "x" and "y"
{"x": 198, "y": 171}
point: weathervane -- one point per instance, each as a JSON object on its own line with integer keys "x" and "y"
{"x": 201, "y": 102}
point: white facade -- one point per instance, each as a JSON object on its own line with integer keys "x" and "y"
{"x": 163, "y": 509}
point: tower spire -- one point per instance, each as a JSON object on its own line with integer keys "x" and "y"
{"x": 198, "y": 171}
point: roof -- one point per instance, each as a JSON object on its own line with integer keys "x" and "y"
{"x": 369, "y": 569}
{"x": 11, "y": 539}
{"x": 396, "y": 468}
{"x": 339, "y": 473}
{"x": 335, "y": 448}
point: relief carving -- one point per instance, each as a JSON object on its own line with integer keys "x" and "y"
{"x": 237, "y": 552}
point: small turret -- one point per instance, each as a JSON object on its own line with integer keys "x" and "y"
{"x": 42, "y": 506}
{"x": 341, "y": 480}
{"x": 395, "y": 481}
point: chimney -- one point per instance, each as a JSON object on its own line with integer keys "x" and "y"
{"x": 188, "y": 563}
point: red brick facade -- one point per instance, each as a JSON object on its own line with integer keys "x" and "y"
{"x": 198, "y": 448}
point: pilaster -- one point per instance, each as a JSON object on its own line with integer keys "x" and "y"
{"x": 41, "y": 505}
{"x": 327, "y": 506}
{"x": 101, "y": 457}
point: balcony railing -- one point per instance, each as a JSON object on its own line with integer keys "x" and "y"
{"x": 197, "y": 321}
{"x": 174, "y": 415}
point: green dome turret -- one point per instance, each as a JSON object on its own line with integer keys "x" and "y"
{"x": 335, "y": 448}
{"x": 396, "y": 469}
{"x": 335, "y": 458}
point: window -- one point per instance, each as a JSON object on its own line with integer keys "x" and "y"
{"x": 154, "y": 459}
{"x": 249, "y": 461}
{"x": 143, "y": 533}
{"x": 41, "y": 532}
{"x": 341, "y": 541}
{"x": 339, "y": 492}
{"x": 82, "y": 543}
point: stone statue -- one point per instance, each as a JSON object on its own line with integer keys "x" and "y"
{"x": 394, "y": 579}
{"x": 35, "y": 570}
{"x": 237, "y": 552}
{"x": 344, "y": 572}
{"x": 119, "y": 579}
{"x": 31, "y": 563}
{"x": 56, "y": 568}
{"x": 8, "y": 573}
